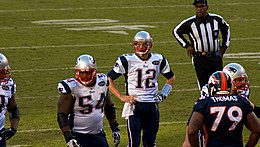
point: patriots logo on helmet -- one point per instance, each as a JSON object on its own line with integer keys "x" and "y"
{"x": 232, "y": 70}
{"x": 92, "y": 60}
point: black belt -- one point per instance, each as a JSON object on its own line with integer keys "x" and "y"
{"x": 207, "y": 54}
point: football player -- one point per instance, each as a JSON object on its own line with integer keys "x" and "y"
{"x": 239, "y": 78}
{"x": 240, "y": 82}
{"x": 223, "y": 115}
{"x": 7, "y": 102}
{"x": 240, "y": 85}
{"x": 141, "y": 70}
{"x": 82, "y": 104}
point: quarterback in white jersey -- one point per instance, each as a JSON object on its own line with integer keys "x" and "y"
{"x": 142, "y": 76}
{"x": 82, "y": 104}
{"x": 7, "y": 102}
{"x": 141, "y": 70}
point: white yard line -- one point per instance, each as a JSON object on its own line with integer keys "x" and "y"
{"x": 126, "y": 7}
{"x": 97, "y": 45}
{"x": 56, "y": 96}
{"x": 57, "y": 129}
{"x": 43, "y": 26}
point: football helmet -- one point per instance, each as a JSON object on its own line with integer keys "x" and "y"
{"x": 238, "y": 76}
{"x": 142, "y": 43}
{"x": 4, "y": 68}
{"x": 219, "y": 84}
{"x": 86, "y": 69}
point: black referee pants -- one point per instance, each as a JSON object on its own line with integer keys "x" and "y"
{"x": 205, "y": 67}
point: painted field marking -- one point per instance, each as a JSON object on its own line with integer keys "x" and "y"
{"x": 107, "y": 67}
{"x": 99, "y": 45}
{"x": 244, "y": 55}
{"x": 126, "y": 23}
{"x": 74, "y": 21}
{"x": 57, "y": 129}
{"x": 126, "y": 7}
{"x": 115, "y": 29}
{"x": 56, "y": 96}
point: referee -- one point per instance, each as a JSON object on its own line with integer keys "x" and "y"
{"x": 204, "y": 46}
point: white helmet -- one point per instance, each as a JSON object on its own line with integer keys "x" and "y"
{"x": 4, "y": 68}
{"x": 86, "y": 69}
{"x": 238, "y": 76}
{"x": 146, "y": 39}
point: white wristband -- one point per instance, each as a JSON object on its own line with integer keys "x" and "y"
{"x": 166, "y": 89}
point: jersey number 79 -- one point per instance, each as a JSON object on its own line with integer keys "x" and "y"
{"x": 221, "y": 110}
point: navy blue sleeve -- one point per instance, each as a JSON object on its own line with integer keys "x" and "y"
{"x": 66, "y": 86}
{"x": 112, "y": 74}
{"x": 200, "y": 106}
{"x": 169, "y": 74}
{"x": 247, "y": 107}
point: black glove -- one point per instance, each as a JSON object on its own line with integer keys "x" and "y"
{"x": 116, "y": 137}
{"x": 70, "y": 139}
{"x": 115, "y": 133}
{"x": 8, "y": 133}
{"x": 159, "y": 98}
{"x": 73, "y": 143}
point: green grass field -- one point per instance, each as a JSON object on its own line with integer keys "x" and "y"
{"x": 42, "y": 39}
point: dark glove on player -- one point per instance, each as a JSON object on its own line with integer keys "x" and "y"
{"x": 116, "y": 138}
{"x": 159, "y": 98}
{"x": 115, "y": 133}
{"x": 8, "y": 133}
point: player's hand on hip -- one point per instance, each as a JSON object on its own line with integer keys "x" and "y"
{"x": 116, "y": 137}
{"x": 128, "y": 99}
{"x": 8, "y": 133}
{"x": 190, "y": 51}
{"x": 73, "y": 143}
{"x": 159, "y": 98}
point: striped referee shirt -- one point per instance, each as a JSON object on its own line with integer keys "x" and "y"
{"x": 203, "y": 33}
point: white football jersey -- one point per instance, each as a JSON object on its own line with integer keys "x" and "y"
{"x": 245, "y": 92}
{"x": 141, "y": 76}
{"x": 7, "y": 89}
{"x": 89, "y": 103}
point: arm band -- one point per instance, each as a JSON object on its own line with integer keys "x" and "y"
{"x": 14, "y": 113}
{"x": 110, "y": 112}
{"x": 62, "y": 119}
{"x": 166, "y": 89}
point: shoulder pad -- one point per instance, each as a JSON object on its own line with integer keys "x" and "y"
{"x": 102, "y": 79}
{"x": 65, "y": 86}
